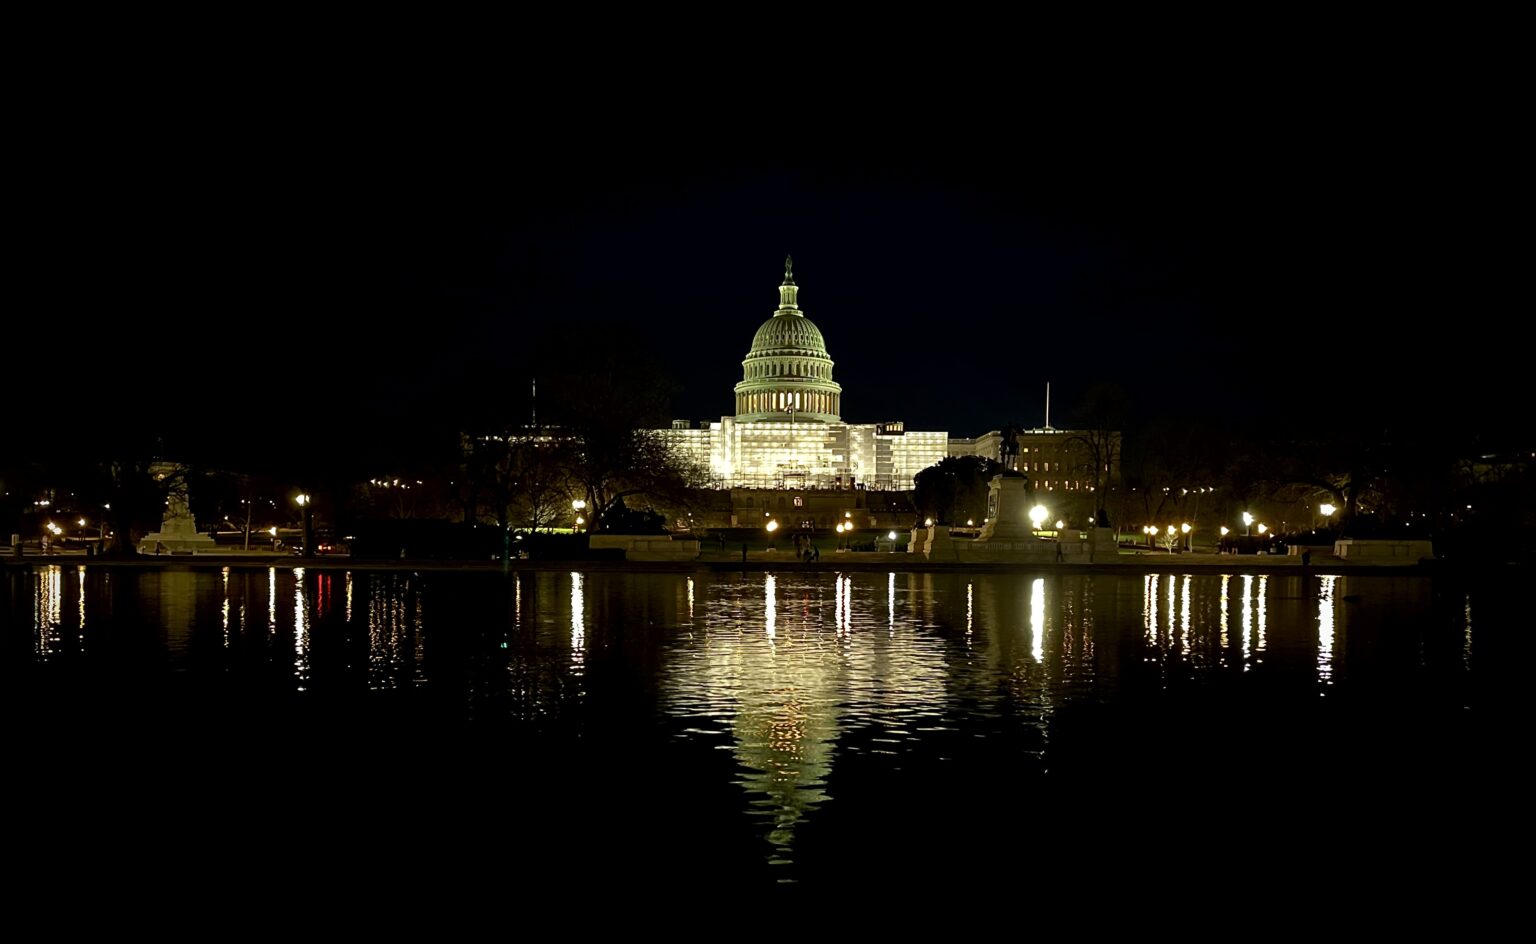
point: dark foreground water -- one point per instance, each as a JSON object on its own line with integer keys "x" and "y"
{"x": 626, "y": 730}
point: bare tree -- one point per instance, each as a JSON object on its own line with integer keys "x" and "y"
{"x": 1099, "y": 421}
{"x": 611, "y": 469}
{"x": 527, "y": 479}
{"x": 609, "y": 407}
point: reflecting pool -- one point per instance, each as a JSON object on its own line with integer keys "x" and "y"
{"x": 781, "y": 727}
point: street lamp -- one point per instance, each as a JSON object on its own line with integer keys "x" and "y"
{"x": 1327, "y": 509}
{"x": 304, "y": 502}
{"x": 1263, "y": 528}
{"x": 1037, "y": 516}
{"x": 1189, "y": 537}
{"x": 1170, "y": 540}
{"x": 1247, "y": 522}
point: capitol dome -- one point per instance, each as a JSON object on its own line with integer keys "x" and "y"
{"x": 788, "y": 370}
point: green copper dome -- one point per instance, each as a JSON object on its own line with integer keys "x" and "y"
{"x": 788, "y": 373}
{"x": 790, "y": 333}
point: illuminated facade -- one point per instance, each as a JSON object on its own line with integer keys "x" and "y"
{"x": 788, "y": 430}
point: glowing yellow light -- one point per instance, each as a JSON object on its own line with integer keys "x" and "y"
{"x": 839, "y": 528}
{"x": 847, "y": 514}
{"x": 771, "y": 526}
{"x": 892, "y": 535}
{"x": 1038, "y": 514}
{"x": 272, "y": 530}
{"x": 1060, "y": 525}
{"x": 302, "y": 499}
{"x": 1225, "y": 530}
{"x": 1326, "y": 509}
{"x": 578, "y": 504}
{"x": 580, "y": 520}
{"x": 1263, "y": 528}
{"x": 1185, "y": 527}
{"x": 1170, "y": 530}
{"x": 1247, "y": 519}
{"x": 82, "y": 522}
{"x": 927, "y": 522}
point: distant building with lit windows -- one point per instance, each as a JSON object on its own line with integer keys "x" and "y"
{"x": 1052, "y": 459}
{"x": 788, "y": 431}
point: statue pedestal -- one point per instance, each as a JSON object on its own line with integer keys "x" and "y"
{"x": 1104, "y": 545}
{"x": 176, "y": 542}
{"x": 178, "y": 529}
{"x": 1007, "y": 511}
{"x": 1007, "y": 534}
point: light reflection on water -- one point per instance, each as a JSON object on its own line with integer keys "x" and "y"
{"x": 47, "y": 610}
{"x": 80, "y": 623}
{"x": 1247, "y": 621}
{"x": 793, "y": 674}
{"x": 578, "y": 622}
{"x": 300, "y": 630}
{"x": 1037, "y": 619}
{"x": 1325, "y": 629}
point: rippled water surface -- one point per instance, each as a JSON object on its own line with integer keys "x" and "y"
{"x": 785, "y": 727}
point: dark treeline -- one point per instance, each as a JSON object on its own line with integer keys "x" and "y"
{"x": 1386, "y": 471}
{"x": 481, "y": 447}
{"x": 1390, "y": 466}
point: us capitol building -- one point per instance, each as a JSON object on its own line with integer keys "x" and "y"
{"x": 788, "y": 431}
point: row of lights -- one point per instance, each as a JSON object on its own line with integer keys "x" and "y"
{"x": 1249, "y": 521}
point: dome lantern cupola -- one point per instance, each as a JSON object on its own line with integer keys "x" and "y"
{"x": 788, "y": 289}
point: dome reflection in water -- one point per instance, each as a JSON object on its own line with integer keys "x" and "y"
{"x": 787, "y": 725}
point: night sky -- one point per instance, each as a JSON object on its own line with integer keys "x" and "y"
{"x": 276, "y": 280}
